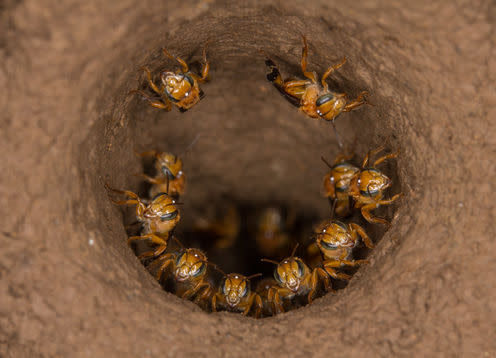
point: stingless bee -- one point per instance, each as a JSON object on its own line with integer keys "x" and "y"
{"x": 271, "y": 236}
{"x": 235, "y": 294}
{"x": 336, "y": 183}
{"x": 158, "y": 218}
{"x": 294, "y": 278}
{"x": 336, "y": 241}
{"x": 180, "y": 88}
{"x": 169, "y": 176}
{"x": 368, "y": 185}
{"x": 313, "y": 98}
{"x": 189, "y": 272}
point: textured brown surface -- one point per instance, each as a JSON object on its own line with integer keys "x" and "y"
{"x": 71, "y": 287}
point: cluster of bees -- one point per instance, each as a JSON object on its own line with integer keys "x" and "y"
{"x": 188, "y": 273}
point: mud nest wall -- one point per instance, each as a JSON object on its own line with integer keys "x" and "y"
{"x": 71, "y": 286}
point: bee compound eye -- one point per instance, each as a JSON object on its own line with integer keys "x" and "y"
{"x": 169, "y": 216}
{"x": 301, "y": 267}
{"x": 200, "y": 270}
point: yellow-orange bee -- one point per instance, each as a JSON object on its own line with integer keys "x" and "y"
{"x": 336, "y": 184}
{"x": 224, "y": 229}
{"x": 294, "y": 278}
{"x": 180, "y": 88}
{"x": 271, "y": 236}
{"x": 314, "y": 99}
{"x": 189, "y": 271}
{"x": 368, "y": 185}
{"x": 235, "y": 295}
{"x": 336, "y": 241}
{"x": 169, "y": 177}
{"x": 158, "y": 218}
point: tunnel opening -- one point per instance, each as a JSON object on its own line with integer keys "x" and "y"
{"x": 254, "y": 150}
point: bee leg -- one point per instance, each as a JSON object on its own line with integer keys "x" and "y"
{"x": 370, "y": 153}
{"x": 205, "y": 66}
{"x": 154, "y": 253}
{"x": 151, "y": 83}
{"x": 166, "y": 260}
{"x": 357, "y": 229}
{"x": 184, "y": 65}
{"x": 329, "y": 268}
{"x": 154, "y": 102}
{"x": 360, "y": 100}
{"x": 387, "y": 156}
{"x": 258, "y": 303}
{"x": 304, "y": 55}
{"x": 373, "y": 219}
{"x": 330, "y": 70}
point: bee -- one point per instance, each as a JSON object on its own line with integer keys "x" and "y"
{"x": 235, "y": 295}
{"x": 158, "y": 218}
{"x": 368, "y": 185}
{"x": 313, "y": 98}
{"x": 189, "y": 272}
{"x": 294, "y": 278}
{"x": 271, "y": 236}
{"x": 336, "y": 183}
{"x": 169, "y": 176}
{"x": 336, "y": 241}
{"x": 180, "y": 88}
{"x": 224, "y": 229}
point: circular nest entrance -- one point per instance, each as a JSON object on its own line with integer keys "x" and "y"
{"x": 74, "y": 284}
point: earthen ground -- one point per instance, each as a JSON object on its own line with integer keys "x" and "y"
{"x": 69, "y": 284}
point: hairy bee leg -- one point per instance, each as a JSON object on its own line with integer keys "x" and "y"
{"x": 274, "y": 298}
{"x": 162, "y": 268}
{"x": 295, "y": 83}
{"x": 214, "y": 303}
{"x": 248, "y": 304}
{"x": 190, "y": 293}
{"x": 154, "y": 253}
{"x": 386, "y": 157}
{"x": 184, "y": 65}
{"x": 330, "y": 70}
{"x": 389, "y": 201}
{"x": 154, "y": 238}
{"x": 154, "y": 103}
{"x": 357, "y": 229}
{"x": 337, "y": 275}
{"x": 150, "y": 81}
{"x": 359, "y": 101}
{"x": 304, "y": 55}
{"x": 205, "y": 66}
{"x": 370, "y": 153}
{"x": 373, "y": 219}
{"x": 318, "y": 272}
{"x": 206, "y": 293}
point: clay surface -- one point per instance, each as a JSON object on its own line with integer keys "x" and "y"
{"x": 69, "y": 284}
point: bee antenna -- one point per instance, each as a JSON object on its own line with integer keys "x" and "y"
{"x": 215, "y": 267}
{"x": 167, "y": 183}
{"x": 188, "y": 148}
{"x": 294, "y": 250}
{"x": 271, "y": 261}
{"x": 326, "y": 162}
{"x": 333, "y": 207}
{"x": 336, "y": 133}
{"x": 253, "y": 276}
{"x": 179, "y": 242}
